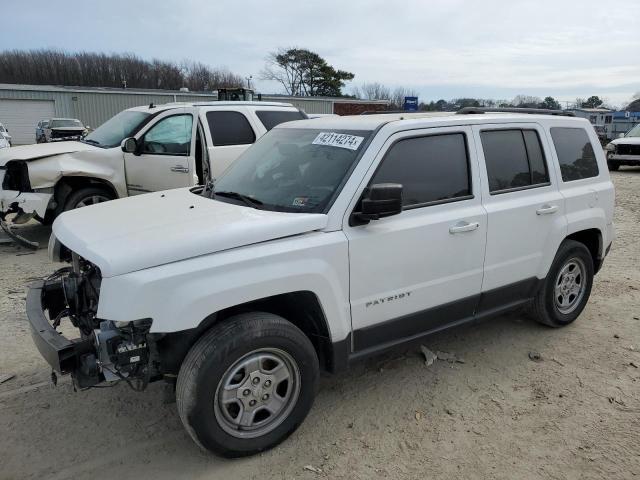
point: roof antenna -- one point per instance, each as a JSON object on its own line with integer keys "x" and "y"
{"x": 151, "y": 105}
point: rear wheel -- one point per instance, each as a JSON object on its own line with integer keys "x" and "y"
{"x": 567, "y": 287}
{"x": 247, "y": 384}
{"x": 87, "y": 196}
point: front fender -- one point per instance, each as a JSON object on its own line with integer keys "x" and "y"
{"x": 105, "y": 165}
{"x": 178, "y": 296}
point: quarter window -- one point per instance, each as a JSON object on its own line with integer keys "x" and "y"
{"x": 270, "y": 118}
{"x": 431, "y": 169}
{"x": 575, "y": 153}
{"x": 230, "y": 128}
{"x": 514, "y": 159}
{"x": 170, "y": 136}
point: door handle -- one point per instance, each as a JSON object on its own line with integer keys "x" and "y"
{"x": 463, "y": 226}
{"x": 180, "y": 169}
{"x": 547, "y": 210}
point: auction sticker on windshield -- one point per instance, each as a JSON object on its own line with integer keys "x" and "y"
{"x": 342, "y": 140}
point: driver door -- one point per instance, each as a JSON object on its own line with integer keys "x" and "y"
{"x": 165, "y": 157}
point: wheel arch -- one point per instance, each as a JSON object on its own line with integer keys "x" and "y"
{"x": 302, "y": 308}
{"x": 69, "y": 183}
{"x": 593, "y": 240}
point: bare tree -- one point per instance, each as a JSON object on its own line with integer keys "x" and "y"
{"x": 526, "y": 101}
{"x": 375, "y": 91}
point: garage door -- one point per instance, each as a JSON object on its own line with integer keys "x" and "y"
{"x": 20, "y": 117}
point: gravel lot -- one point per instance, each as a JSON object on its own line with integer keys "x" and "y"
{"x": 575, "y": 414}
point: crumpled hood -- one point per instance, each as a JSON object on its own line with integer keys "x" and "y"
{"x": 626, "y": 141}
{"x": 148, "y": 230}
{"x": 42, "y": 150}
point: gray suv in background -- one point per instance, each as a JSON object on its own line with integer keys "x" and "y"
{"x": 60, "y": 129}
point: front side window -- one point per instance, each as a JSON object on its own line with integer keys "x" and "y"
{"x": 271, "y": 118}
{"x": 514, "y": 159}
{"x": 293, "y": 169}
{"x": 230, "y": 128}
{"x": 170, "y": 136}
{"x": 575, "y": 153}
{"x": 430, "y": 169}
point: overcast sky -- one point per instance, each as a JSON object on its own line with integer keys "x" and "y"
{"x": 441, "y": 48}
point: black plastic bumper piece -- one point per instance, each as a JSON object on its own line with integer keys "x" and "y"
{"x": 60, "y": 352}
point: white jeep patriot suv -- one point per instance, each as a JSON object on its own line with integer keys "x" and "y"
{"x": 327, "y": 241}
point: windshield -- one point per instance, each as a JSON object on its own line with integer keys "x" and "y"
{"x": 65, "y": 122}
{"x": 634, "y": 132}
{"x": 113, "y": 131}
{"x": 293, "y": 170}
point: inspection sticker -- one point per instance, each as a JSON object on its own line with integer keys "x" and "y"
{"x": 342, "y": 140}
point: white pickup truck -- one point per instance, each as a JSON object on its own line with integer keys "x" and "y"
{"x": 624, "y": 150}
{"x": 328, "y": 241}
{"x": 143, "y": 149}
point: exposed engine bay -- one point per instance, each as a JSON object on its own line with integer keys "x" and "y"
{"x": 106, "y": 350}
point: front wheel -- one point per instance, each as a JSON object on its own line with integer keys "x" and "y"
{"x": 247, "y": 384}
{"x": 567, "y": 287}
{"x": 87, "y": 196}
{"x": 613, "y": 166}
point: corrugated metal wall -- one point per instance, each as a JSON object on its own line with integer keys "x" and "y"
{"x": 94, "y": 108}
{"x": 309, "y": 106}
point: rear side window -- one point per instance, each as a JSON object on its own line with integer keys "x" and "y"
{"x": 575, "y": 153}
{"x": 514, "y": 159}
{"x": 270, "y": 118}
{"x": 430, "y": 169}
{"x": 230, "y": 128}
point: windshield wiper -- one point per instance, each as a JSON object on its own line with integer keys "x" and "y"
{"x": 250, "y": 202}
{"x": 90, "y": 141}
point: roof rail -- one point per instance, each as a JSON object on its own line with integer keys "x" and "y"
{"x": 536, "y": 111}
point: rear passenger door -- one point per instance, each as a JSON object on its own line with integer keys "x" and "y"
{"x": 419, "y": 270}
{"x": 525, "y": 211}
{"x": 229, "y": 134}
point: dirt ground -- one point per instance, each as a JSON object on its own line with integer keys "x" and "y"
{"x": 575, "y": 414}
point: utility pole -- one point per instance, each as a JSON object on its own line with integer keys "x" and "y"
{"x": 249, "y": 81}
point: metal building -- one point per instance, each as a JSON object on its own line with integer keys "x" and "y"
{"x": 23, "y": 106}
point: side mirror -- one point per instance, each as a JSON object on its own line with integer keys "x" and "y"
{"x": 129, "y": 145}
{"x": 379, "y": 201}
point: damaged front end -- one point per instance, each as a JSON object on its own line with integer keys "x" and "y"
{"x": 19, "y": 203}
{"x": 106, "y": 350}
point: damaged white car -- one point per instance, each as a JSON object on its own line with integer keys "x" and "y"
{"x": 143, "y": 149}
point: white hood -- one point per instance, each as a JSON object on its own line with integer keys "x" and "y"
{"x": 42, "y": 150}
{"x": 626, "y": 141}
{"x": 148, "y": 230}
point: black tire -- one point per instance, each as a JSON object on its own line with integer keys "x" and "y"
{"x": 85, "y": 195}
{"x": 217, "y": 352}
{"x": 544, "y": 308}
{"x": 613, "y": 166}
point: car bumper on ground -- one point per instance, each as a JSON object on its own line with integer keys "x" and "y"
{"x": 62, "y": 354}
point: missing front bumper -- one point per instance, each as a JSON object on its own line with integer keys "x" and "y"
{"x": 64, "y": 355}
